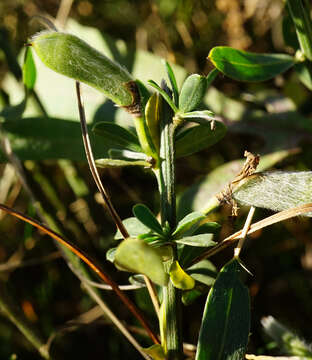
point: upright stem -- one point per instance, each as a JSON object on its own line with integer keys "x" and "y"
{"x": 170, "y": 315}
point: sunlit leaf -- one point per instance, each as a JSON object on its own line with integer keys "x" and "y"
{"x": 192, "y": 92}
{"x": 188, "y": 223}
{"x": 134, "y": 228}
{"x": 246, "y": 66}
{"x": 104, "y": 163}
{"x": 202, "y": 240}
{"x": 144, "y": 214}
{"x": 180, "y": 278}
{"x": 29, "y": 70}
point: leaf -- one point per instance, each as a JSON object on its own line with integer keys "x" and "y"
{"x": 211, "y": 76}
{"x": 201, "y": 117}
{"x": 136, "y": 256}
{"x": 110, "y": 254}
{"x": 202, "y": 240}
{"x": 304, "y": 71}
{"x": 156, "y": 352}
{"x": 180, "y": 278}
{"x": 226, "y": 321}
{"x": 164, "y": 95}
{"x": 144, "y": 214}
{"x": 117, "y": 136}
{"x": 188, "y": 223}
{"x": 173, "y": 83}
{"x": 189, "y": 296}
{"x": 196, "y": 138}
{"x": 14, "y": 112}
{"x": 70, "y": 56}
{"x": 204, "y": 272}
{"x": 104, "y": 163}
{"x": 127, "y": 155}
{"x": 152, "y": 116}
{"x": 276, "y": 190}
{"x": 29, "y": 70}
{"x": 216, "y": 180}
{"x": 134, "y": 228}
{"x": 192, "y": 92}
{"x": 44, "y": 138}
{"x": 246, "y": 66}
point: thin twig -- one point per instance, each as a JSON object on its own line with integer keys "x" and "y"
{"x": 153, "y": 294}
{"x": 63, "y": 12}
{"x": 246, "y": 227}
{"x": 281, "y": 216}
{"x": 90, "y": 262}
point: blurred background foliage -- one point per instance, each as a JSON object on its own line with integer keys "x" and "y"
{"x": 183, "y": 32}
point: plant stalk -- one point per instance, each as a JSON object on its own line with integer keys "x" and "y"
{"x": 170, "y": 319}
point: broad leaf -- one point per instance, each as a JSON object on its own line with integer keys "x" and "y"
{"x": 136, "y": 256}
{"x": 144, "y": 214}
{"x": 116, "y": 136}
{"x": 202, "y": 240}
{"x": 246, "y": 66}
{"x": 134, "y": 228}
{"x": 180, "y": 278}
{"x": 204, "y": 272}
{"x": 196, "y": 138}
{"x": 192, "y": 92}
{"x": 226, "y": 321}
{"x": 276, "y": 190}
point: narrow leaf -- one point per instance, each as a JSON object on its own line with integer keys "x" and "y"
{"x": 226, "y": 321}
{"x": 173, "y": 83}
{"x": 276, "y": 190}
{"x": 196, "y": 138}
{"x": 246, "y": 66}
{"x": 211, "y": 76}
{"x": 127, "y": 155}
{"x": 144, "y": 214}
{"x": 156, "y": 352}
{"x": 188, "y": 222}
{"x": 202, "y": 240}
{"x": 152, "y": 116}
{"x": 164, "y": 95}
{"x": 136, "y": 256}
{"x": 134, "y": 228}
{"x": 304, "y": 71}
{"x": 180, "y": 278}
{"x": 29, "y": 70}
{"x": 104, "y": 163}
{"x": 117, "y": 136}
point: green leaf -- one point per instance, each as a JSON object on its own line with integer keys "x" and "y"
{"x": 156, "y": 352}
{"x": 173, "y": 83}
{"x": 104, "y": 163}
{"x": 164, "y": 95}
{"x": 201, "y": 117}
{"x": 74, "y": 58}
{"x": 134, "y": 228}
{"x": 304, "y": 71}
{"x": 152, "y": 116}
{"x": 188, "y": 223}
{"x": 202, "y": 240}
{"x": 117, "y": 136}
{"x": 110, "y": 254}
{"x": 196, "y": 138}
{"x": 127, "y": 155}
{"x": 14, "y": 112}
{"x": 226, "y": 321}
{"x": 180, "y": 278}
{"x": 246, "y": 66}
{"x": 29, "y": 70}
{"x": 275, "y": 190}
{"x": 144, "y": 214}
{"x": 136, "y": 256}
{"x": 204, "y": 272}
{"x": 192, "y": 92}
{"x": 211, "y": 76}
{"x": 189, "y": 296}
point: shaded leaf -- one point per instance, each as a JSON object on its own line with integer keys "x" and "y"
{"x": 173, "y": 83}
{"x": 276, "y": 190}
{"x": 134, "y": 228}
{"x": 136, "y": 256}
{"x": 226, "y": 321}
{"x": 304, "y": 71}
{"x": 14, "y": 112}
{"x": 189, "y": 296}
{"x": 204, "y": 272}
{"x": 196, "y": 138}
{"x": 117, "y": 136}
{"x": 144, "y": 214}
{"x": 180, "y": 278}
{"x": 246, "y": 66}
{"x": 202, "y": 240}
{"x": 188, "y": 223}
{"x": 110, "y": 254}
{"x": 156, "y": 352}
{"x": 192, "y": 92}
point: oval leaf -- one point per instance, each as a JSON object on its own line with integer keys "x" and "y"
{"x": 276, "y": 190}
{"x": 117, "y": 136}
{"x": 144, "y": 214}
{"x": 204, "y": 272}
{"x": 189, "y": 222}
{"x": 197, "y": 138}
{"x": 29, "y": 70}
{"x": 134, "y": 228}
{"x": 202, "y": 240}
{"x": 180, "y": 278}
{"x": 74, "y": 58}
{"x": 136, "y": 256}
{"x": 192, "y": 92}
{"x": 247, "y": 66}
{"x": 226, "y": 321}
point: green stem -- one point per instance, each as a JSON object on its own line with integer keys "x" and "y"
{"x": 300, "y": 14}
{"x": 170, "y": 319}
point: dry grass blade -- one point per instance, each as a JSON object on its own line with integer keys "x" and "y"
{"x": 281, "y": 216}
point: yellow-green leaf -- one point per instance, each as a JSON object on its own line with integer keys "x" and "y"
{"x": 180, "y": 278}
